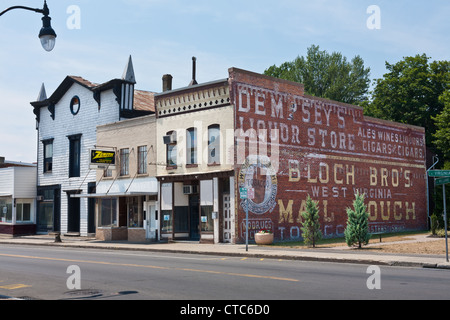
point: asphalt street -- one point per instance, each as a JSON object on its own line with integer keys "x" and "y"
{"x": 52, "y": 273}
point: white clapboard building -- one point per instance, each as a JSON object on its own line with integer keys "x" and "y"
{"x": 66, "y": 124}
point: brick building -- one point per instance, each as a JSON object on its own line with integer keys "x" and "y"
{"x": 194, "y": 168}
{"x": 126, "y": 196}
{"x": 329, "y": 150}
{"x": 282, "y": 145}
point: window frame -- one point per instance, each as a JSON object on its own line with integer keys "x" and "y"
{"x": 124, "y": 162}
{"x": 72, "y": 104}
{"x": 74, "y": 156}
{"x": 142, "y": 160}
{"x": 171, "y": 153}
{"x": 48, "y": 160}
{"x": 191, "y": 146}
{"x": 214, "y": 145}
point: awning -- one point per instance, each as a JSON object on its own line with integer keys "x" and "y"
{"x": 113, "y": 195}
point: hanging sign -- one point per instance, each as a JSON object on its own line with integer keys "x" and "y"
{"x": 103, "y": 158}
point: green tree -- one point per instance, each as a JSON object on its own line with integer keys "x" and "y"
{"x": 442, "y": 135}
{"x": 409, "y": 92}
{"x": 311, "y": 226}
{"x": 357, "y": 230}
{"x": 327, "y": 75}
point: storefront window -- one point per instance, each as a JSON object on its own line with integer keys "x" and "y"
{"x": 6, "y": 210}
{"x": 135, "y": 216}
{"x": 166, "y": 221}
{"x": 23, "y": 212}
{"x": 206, "y": 218}
{"x": 108, "y": 213}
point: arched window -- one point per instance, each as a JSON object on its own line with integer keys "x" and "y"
{"x": 171, "y": 149}
{"x": 191, "y": 146}
{"x": 214, "y": 144}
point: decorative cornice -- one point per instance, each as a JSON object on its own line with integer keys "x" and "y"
{"x": 193, "y": 99}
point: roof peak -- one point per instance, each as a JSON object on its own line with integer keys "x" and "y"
{"x": 42, "y": 94}
{"x": 128, "y": 74}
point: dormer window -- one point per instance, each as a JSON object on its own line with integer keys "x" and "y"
{"x": 75, "y": 105}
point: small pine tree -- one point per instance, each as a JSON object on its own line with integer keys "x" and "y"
{"x": 311, "y": 225}
{"x": 357, "y": 230}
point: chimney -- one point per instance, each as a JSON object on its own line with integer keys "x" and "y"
{"x": 167, "y": 82}
{"x": 194, "y": 67}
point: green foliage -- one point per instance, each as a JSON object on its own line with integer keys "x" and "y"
{"x": 357, "y": 231}
{"x": 327, "y": 75}
{"x": 434, "y": 224}
{"x": 409, "y": 93}
{"x": 442, "y": 120}
{"x": 311, "y": 226}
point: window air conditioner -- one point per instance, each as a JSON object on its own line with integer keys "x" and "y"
{"x": 187, "y": 189}
{"x": 170, "y": 138}
{"x": 190, "y": 189}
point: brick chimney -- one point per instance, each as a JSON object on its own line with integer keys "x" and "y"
{"x": 167, "y": 82}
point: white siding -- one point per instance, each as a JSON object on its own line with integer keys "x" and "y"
{"x": 67, "y": 124}
{"x": 6, "y": 181}
{"x": 25, "y": 182}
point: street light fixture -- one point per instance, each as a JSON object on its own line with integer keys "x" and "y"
{"x": 47, "y": 34}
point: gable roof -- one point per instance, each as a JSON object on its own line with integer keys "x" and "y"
{"x": 143, "y": 100}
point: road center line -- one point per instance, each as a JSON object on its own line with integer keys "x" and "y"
{"x": 150, "y": 267}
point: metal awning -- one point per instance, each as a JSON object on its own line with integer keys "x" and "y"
{"x": 113, "y": 195}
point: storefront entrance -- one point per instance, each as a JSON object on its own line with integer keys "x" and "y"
{"x": 48, "y": 209}
{"x": 194, "y": 220}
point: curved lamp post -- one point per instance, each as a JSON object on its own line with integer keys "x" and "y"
{"x": 47, "y": 34}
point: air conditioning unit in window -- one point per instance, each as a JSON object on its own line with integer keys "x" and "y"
{"x": 170, "y": 138}
{"x": 190, "y": 189}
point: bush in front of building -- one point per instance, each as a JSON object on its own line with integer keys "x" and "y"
{"x": 357, "y": 231}
{"x": 311, "y": 226}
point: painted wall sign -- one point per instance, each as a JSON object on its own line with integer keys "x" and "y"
{"x": 296, "y": 145}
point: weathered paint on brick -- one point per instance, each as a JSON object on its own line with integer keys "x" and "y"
{"x": 328, "y": 150}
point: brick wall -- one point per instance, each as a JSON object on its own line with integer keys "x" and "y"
{"x": 328, "y": 150}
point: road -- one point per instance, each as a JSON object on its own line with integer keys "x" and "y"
{"x": 34, "y": 272}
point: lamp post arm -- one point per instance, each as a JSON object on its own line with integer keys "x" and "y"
{"x": 22, "y": 7}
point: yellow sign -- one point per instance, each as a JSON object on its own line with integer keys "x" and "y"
{"x": 103, "y": 157}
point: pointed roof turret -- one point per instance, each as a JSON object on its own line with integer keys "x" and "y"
{"x": 42, "y": 94}
{"x": 128, "y": 74}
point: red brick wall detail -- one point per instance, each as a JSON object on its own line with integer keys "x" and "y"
{"x": 326, "y": 149}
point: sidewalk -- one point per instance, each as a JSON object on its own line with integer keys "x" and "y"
{"x": 337, "y": 254}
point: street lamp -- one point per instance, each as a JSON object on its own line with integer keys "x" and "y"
{"x": 47, "y": 34}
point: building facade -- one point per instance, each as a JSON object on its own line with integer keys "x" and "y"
{"x": 127, "y": 194}
{"x": 278, "y": 145}
{"x": 191, "y": 163}
{"x": 290, "y": 145}
{"x": 194, "y": 166}
{"x": 67, "y": 129}
{"x": 17, "y": 198}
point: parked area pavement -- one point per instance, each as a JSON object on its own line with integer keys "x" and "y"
{"x": 335, "y": 254}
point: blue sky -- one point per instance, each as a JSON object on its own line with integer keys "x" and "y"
{"x": 163, "y": 35}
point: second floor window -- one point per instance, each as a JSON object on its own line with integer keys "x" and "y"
{"x": 191, "y": 146}
{"x": 142, "y": 160}
{"x": 214, "y": 144}
{"x": 124, "y": 162}
{"x": 48, "y": 155}
{"x": 74, "y": 155}
{"x": 171, "y": 150}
